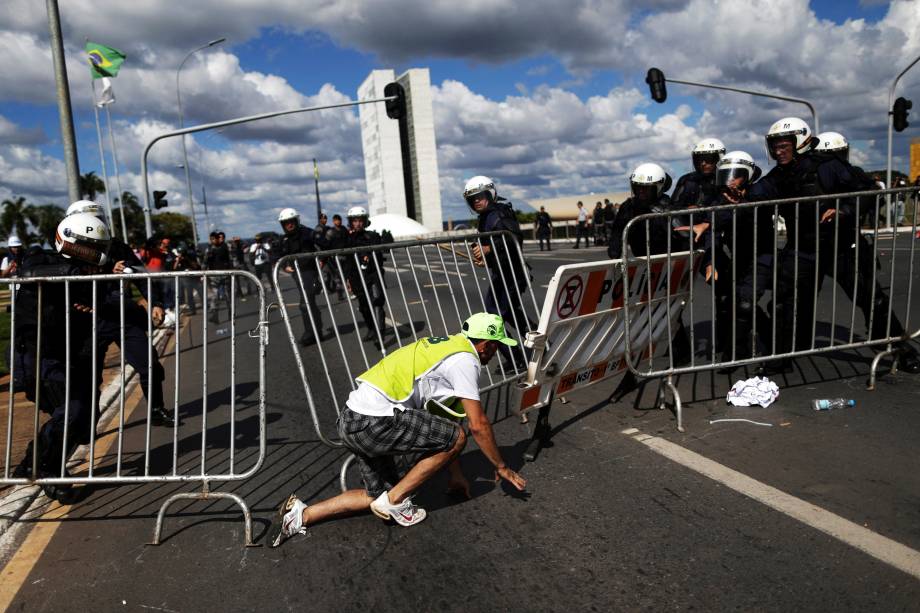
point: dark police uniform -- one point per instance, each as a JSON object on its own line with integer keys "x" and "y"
{"x": 53, "y": 369}
{"x": 660, "y": 231}
{"x": 810, "y": 245}
{"x": 544, "y": 229}
{"x": 361, "y": 271}
{"x": 303, "y": 240}
{"x": 509, "y": 277}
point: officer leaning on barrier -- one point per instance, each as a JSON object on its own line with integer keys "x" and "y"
{"x": 364, "y": 271}
{"x": 801, "y": 172}
{"x": 746, "y": 248}
{"x": 509, "y": 275}
{"x": 301, "y": 239}
{"x": 119, "y": 258}
{"x": 697, "y": 188}
{"x": 648, "y": 184}
{"x": 390, "y": 415}
{"x": 81, "y": 241}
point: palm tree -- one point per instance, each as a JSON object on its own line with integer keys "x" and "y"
{"x": 134, "y": 217}
{"x": 90, "y": 185}
{"x": 16, "y": 217}
{"x": 49, "y": 216}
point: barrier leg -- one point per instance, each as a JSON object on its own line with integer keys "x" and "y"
{"x": 889, "y": 350}
{"x": 205, "y": 494}
{"x": 541, "y": 433}
{"x": 678, "y": 405}
{"x": 344, "y": 471}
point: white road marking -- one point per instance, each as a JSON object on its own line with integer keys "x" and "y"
{"x": 880, "y": 547}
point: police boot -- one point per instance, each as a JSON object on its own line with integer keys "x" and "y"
{"x": 24, "y": 470}
{"x": 908, "y": 360}
{"x": 307, "y": 338}
{"x": 159, "y": 416}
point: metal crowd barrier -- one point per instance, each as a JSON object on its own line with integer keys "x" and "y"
{"x": 427, "y": 288}
{"x": 65, "y": 384}
{"x": 836, "y": 245}
{"x": 581, "y": 337}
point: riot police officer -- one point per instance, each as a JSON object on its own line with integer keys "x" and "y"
{"x": 364, "y": 272}
{"x": 742, "y": 239}
{"x": 648, "y": 185}
{"x": 81, "y": 241}
{"x": 697, "y": 188}
{"x": 301, "y": 239}
{"x": 801, "y": 172}
{"x": 120, "y": 258}
{"x": 509, "y": 275}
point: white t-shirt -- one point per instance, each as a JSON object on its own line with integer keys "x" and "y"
{"x": 457, "y": 376}
{"x": 260, "y": 253}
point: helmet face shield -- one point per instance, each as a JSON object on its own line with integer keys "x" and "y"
{"x": 735, "y": 177}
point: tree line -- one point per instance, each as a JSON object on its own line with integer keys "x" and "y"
{"x": 37, "y": 223}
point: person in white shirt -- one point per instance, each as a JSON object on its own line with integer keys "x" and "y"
{"x": 391, "y": 413}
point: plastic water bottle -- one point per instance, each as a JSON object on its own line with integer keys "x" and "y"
{"x": 826, "y": 404}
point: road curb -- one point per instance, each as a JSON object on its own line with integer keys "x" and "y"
{"x": 15, "y": 503}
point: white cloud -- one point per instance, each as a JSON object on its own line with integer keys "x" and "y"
{"x": 541, "y": 141}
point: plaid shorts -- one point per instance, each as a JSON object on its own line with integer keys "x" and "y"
{"x": 387, "y": 447}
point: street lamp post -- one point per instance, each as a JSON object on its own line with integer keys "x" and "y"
{"x": 188, "y": 178}
{"x": 230, "y": 122}
{"x": 811, "y": 107}
{"x": 894, "y": 84}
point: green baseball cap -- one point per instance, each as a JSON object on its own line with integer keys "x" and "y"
{"x": 486, "y": 326}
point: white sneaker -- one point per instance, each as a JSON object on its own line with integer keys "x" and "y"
{"x": 288, "y": 521}
{"x": 404, "y": 513}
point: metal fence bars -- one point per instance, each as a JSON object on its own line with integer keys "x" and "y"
{"x": 381, "y": 297}
{"x": 581, "y": 336}
{"x": 789, "y": 278}
{"x": 61, "y": 329}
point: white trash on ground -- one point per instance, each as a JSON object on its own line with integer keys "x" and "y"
{"x": 753, "y": 391}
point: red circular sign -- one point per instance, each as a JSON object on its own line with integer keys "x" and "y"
{"x": 569, "y": 297}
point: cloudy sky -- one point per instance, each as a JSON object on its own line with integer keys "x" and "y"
{"x": 547, "y": 97}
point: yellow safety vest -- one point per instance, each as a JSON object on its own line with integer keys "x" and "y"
{"x": 395, "y": 375}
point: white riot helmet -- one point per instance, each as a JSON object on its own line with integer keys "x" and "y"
{"x": 788, "y": 127}
{"x": 478, "y": 185}
{"x": 288, "y": 215}
{"x": 708, "y": 147}
{"x": 649, "y": 174}
{"x": 85, "y": 237}
{"x": 13, "y": 241}
{"x": 358, "y": 212}
{"x": 87, "y": 206}
{"x": 736, "y": 165}
{"x": 833, "y": 142}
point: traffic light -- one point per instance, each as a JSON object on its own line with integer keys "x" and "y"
{"x": 159, "y": 200}
{"x": 901, "y": 106}
{"x": 656, "y": 85}
{"x": 396, "y": 109}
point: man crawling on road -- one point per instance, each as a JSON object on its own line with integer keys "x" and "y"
{"x": 391, "y": 413}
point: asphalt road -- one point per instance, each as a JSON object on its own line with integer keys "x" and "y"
{"x": 614, "y": 518}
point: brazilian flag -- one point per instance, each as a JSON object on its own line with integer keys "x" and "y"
{"x": 103, "y": 61}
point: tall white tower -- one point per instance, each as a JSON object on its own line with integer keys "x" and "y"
{"x": 383, "y": 155}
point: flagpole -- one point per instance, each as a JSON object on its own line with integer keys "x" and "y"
{"x": 121, "y": 194}
{"x": 319, "y": 211}
{"x": 105, "y": 174}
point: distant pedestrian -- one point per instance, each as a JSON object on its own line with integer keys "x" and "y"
{"x": 581, "y": 229}
{"x": 544, "y": 228}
